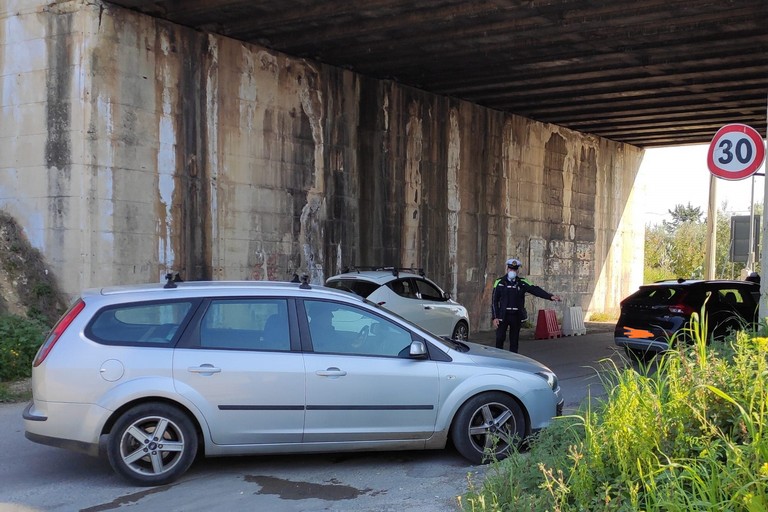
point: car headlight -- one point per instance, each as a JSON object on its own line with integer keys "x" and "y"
{"x": 550, "y": 377}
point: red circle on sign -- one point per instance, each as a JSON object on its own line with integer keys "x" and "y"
{"x": 725, "y": 157}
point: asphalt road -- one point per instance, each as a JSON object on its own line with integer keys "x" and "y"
{"x": 41, "y": 478}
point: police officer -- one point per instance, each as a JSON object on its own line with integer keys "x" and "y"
{"x": 508, "y": 304}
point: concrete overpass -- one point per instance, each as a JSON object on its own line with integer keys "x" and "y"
{"x": 135, "y": 144}
{"x": 643, "y": 72}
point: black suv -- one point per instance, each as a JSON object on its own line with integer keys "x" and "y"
{"x": 653, "y": 314}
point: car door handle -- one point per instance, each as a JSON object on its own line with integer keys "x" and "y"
{"x": 204, "y": 368}
{"x": 331, "y": 372}
{"x": 427, "y": 307}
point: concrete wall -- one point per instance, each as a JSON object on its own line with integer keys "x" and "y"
{"x": 131, "y": 147}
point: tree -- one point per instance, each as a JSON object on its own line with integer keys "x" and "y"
{"x": 657, "y": 251}
{"x": 683, "y": 214}
{"x": 677, "y": 248}
{"x": 687, "y": 250}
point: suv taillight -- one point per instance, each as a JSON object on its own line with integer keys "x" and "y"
{"x": 57, "y": 331}
{"x": 681, "y": 309}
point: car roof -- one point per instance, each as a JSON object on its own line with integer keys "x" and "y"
{"x": 204, "y": 288}
{"x": 701, "y": 282}
{"x": 375, "y": 276}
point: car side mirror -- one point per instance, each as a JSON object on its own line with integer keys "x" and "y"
{"x": 418, "y": 349}
{"x": 446, "y": 296}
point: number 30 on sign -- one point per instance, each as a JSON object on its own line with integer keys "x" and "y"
{"x": 736, "y": 152}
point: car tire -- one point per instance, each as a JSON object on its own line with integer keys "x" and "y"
{"x": 461, "y": 331}
{"x": 487, "y": 427}
{"x": 137, "y": 455}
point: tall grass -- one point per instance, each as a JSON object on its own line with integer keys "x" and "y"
{"x": 685, "y": 433}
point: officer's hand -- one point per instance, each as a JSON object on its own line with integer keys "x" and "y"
{"x": 495, "y": 322}
{"x": 556, "y": 298}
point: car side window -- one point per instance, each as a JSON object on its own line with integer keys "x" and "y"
{"x": 403, "y": 288}
{"x": 246, "y": 324}
{"x": 739, "y": 301}
{"x": 730, "y": 297}
{"x": 153, "y": 323}
{"x": 428, "y": 291}
{"x": 343, "y": 329}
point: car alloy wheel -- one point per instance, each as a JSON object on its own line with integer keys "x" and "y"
{"x": 461, "y": 331}
{"x": 152, "y": 444}
{"x": 487, "y": 426}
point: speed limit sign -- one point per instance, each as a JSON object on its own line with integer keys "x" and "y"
{"x": 736, "y": 152}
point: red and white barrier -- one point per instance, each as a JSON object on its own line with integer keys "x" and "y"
{"x": 547, "y": 325}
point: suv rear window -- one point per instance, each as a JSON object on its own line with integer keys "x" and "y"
{"x": 659, "y": 294}
{"x": 155, "y": 323}
{"x": 362, "y": 288}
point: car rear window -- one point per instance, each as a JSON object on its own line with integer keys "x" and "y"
{"x": 361, "y": 288}
{"x": 656, "y": 294}
{"x": 664, "y": 296}
{"x": 155, "y": 323}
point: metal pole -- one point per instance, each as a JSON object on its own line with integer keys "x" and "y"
{"x": 709, "y": 262}
{"x": 751, "y": 247}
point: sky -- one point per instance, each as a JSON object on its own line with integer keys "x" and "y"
{"x": 679, "y": 175}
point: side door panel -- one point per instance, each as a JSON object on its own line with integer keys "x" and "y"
{"x": 367, "y": 390}
{"x": 238, "y": 368}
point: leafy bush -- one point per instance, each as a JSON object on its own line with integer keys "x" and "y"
{"x": 19, "y": 340}
{"x": 689, "y": 435}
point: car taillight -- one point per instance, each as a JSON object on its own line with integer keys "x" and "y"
{"x": 681, "y": 309}
{"x": 57, "y": 331}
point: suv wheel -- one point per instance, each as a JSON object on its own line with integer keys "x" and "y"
{"x": 152, "y": 444}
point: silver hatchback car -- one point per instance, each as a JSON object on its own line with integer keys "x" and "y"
{"x": 153, "y": 375}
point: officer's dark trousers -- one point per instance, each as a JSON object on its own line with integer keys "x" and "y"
{"x": 511, "y": 321}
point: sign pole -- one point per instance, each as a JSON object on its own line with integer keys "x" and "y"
{"x": 709, "y": 262}
{"x": 751, "y": 249}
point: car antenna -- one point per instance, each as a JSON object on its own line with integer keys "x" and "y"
{"x": 305, "y": 283}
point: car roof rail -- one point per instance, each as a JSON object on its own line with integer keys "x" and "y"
{"x": 171, "y": 278}
{"x": 395, "y": 270}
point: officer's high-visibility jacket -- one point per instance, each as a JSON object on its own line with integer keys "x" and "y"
{"x": 510, "y": 295}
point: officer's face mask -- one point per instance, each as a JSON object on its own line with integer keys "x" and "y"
{"x": 511, "y": 274}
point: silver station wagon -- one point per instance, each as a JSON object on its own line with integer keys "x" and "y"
{"x": 154, "y": 375}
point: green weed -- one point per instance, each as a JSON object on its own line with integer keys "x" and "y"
{"x": 686, "y": 432}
